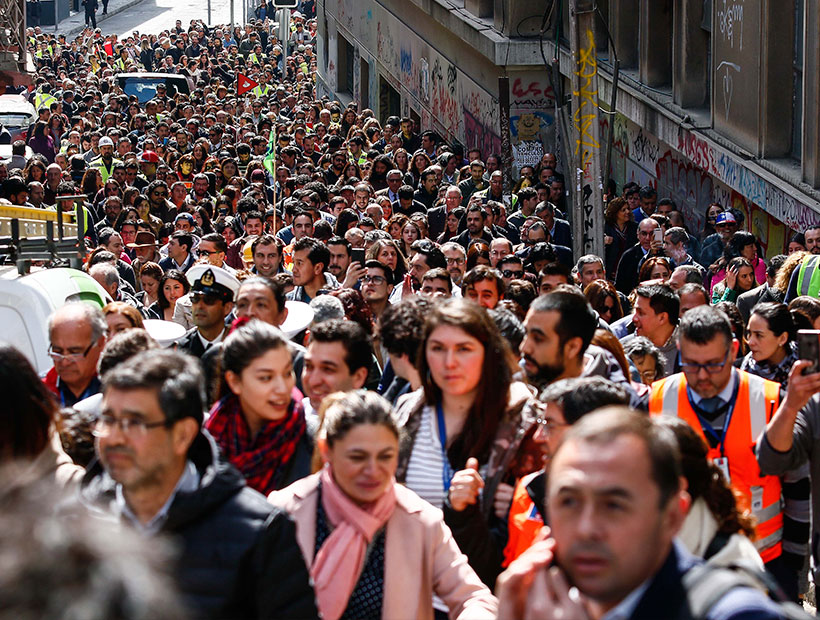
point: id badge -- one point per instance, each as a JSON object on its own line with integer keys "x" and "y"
{"x": 723, "y": 465}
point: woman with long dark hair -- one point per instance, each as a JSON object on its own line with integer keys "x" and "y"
{"x": 771, "y": 337}
{"x": 41, "y": 141}
{"x": 620, "y": 234}
{"x": 27, "y": 421}
{"x": 740, "y": 278}
{"x": 603, "y": 298}
{"x": 387, "y": 251}
{"x": 715, "y": 529}
{"x": 462, "y": 427}
{"x": 742, "y": 244}
{"x": 172, "y": 286}
{"x": 259, "y": 426}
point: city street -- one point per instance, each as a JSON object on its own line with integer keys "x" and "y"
{"x": 152, "y": 16}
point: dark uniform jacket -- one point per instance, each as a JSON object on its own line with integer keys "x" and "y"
{"x": 238, "y": 554}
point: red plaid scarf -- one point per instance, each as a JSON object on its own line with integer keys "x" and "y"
{"x": 262, "y": 459}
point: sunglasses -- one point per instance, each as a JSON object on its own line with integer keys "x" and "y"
{"x": 508, "y": 273}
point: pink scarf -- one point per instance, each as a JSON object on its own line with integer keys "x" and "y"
{"x": 338, "y": 564}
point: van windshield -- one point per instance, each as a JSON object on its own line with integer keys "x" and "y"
{"x": 145, "y": 89}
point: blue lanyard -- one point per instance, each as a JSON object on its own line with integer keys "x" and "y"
{"x": 447, "y": 470}
{"x": 706, "y": 425}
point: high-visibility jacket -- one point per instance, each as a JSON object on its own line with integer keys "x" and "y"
{"x": 259, "y": 91}
{"x": 808, "y": 278}
{"x": 525, "y": 518}
{"x": 105, "y": 172}
{"x": 757, "y": 400}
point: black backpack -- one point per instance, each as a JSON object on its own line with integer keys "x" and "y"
{"x": 705, "y": 585}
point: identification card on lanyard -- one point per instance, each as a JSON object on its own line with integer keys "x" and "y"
{"x": 723, "y": 465}
{"x": 447, "y": 472}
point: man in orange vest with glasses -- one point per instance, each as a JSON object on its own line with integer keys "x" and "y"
{"x": 730, "y": 409}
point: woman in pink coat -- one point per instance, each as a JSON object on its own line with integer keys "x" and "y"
{"x": 375, "y": 549}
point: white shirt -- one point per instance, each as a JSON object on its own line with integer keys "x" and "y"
{"x": 208, "y": 343}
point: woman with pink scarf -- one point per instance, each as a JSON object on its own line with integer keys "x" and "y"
{"x": 375, "y": 549}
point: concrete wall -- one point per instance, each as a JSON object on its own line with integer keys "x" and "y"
{"x": 726, "y": 148}
{"x": 451, "y": 87}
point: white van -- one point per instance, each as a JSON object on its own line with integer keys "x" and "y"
{"x": 27, "y": 301}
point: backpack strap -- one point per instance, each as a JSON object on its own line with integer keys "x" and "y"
{"x": 705, "y": 585}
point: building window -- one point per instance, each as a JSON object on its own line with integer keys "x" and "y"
{"x": 797, "y": 80}
{"x": 345, "y": 59}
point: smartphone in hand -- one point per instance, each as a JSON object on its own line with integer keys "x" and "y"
{"x": 808, "y": 348}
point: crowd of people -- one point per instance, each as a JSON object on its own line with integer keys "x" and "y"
{"x": 393, "y": 391}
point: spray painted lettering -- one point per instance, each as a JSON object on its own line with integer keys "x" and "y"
{"x": 585, "y": 115}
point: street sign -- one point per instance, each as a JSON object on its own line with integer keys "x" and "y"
{"x": 244, "y": 84}
{"x": 285, "y": 4}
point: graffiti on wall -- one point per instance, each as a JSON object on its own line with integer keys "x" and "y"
{"x": 585, "y": 116}
{"x": 532, "y": 124}
{"x": 444, "y": 97}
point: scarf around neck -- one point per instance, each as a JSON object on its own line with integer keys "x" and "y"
{"x": 262, "y": 459}
{"x": 340, "y": 560}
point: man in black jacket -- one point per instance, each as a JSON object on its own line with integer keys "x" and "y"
{"x": 626, "y": 277}
{"x": 160, "y": 473}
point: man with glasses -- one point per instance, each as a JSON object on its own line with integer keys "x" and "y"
{"x": 395, "y": 179}
{"x": 648, "y": 245}
{"x": 160, "y": 206}
{"x": 77, "y": 334}
{"x": 511, "y": 268}
{"x": 563, "y": 403}
{"x": 160, "y": 473}
{"x": 212, "y": 249}
{"x": 377, "y": 284}
{"x": 212, "y": 294}
{"x": 456, "y": 261}
{"x": 729, "y": 409}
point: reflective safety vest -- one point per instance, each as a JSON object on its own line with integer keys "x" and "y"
{"x": 808, "y": 278}
{"x": 43, "y": 100}
{"x": 259, "y": 91}
{"x": 757, "y": 400}
{"x": 100, "y": 164}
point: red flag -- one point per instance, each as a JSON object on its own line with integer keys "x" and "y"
{"x": 109, "y": 48}
{"x": 244, "y": 84}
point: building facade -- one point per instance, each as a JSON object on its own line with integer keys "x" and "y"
{"x": 717, "y": 100}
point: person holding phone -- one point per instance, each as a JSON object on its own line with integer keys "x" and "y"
{"x": 616, "y": 503}
{"x": 792, "y": 436}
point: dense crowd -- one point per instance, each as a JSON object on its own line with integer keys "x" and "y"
{"x": 348, "y": 375}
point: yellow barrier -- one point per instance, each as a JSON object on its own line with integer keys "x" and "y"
{"x": 27, "y": 213}
{"x": 35, "y": 228}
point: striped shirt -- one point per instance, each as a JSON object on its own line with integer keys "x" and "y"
{"x": 426, "y": 466}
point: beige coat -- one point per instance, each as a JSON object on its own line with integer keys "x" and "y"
{"x": 421, "y": 558}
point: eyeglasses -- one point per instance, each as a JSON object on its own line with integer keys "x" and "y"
{"x": 549, "y": 426}
{"x": 70, "y": 357}
{"x": 712, "y": 369}
{"x": 208, "y": 300}
{"x": 378, "y": 280}
{"x": 207, "y": 252}
{"x": 161, "y": 194}
{"x": 455, "y": 261}
{"x": 133, "y": 427}
{"x": 508, "y": 273}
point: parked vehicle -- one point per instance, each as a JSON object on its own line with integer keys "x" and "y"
{"x": 144, "y": 85}
{"x": 16, "y": 114}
